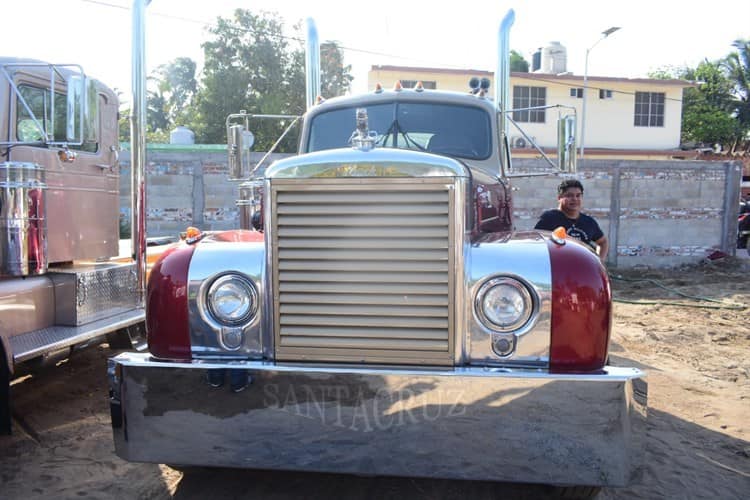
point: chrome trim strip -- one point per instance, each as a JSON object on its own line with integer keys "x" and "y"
{"x": 464, "y": 423}
{"x": 607, "y": 374}
{"x": 379, "y": 162}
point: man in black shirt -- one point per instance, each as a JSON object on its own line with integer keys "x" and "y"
{"x": 569, "y": 215}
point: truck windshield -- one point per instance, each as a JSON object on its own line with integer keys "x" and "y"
{"x": 460, "y": 131}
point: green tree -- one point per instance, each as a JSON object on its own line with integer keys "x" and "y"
{"x": 518, "y": 63}
{"x": 157, "y": 121}
{"x": 737, "y": 66}
{"x": 247, "y": 66}
{"x": 706, "y": 110}
{"x": 250, "y": 65}
{"x": 335, "y": 78}
{"x": 177, "y": 85}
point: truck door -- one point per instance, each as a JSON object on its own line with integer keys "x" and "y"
{"x": 82, "y": 200}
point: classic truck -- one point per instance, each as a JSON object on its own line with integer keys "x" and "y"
{"x": 387, "y": 319}
{"x": 62, "y": 286}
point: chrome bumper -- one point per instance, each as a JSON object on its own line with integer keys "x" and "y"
{"x": 464, "y": 423}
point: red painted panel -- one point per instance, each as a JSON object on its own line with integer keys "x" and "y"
{"x": 167, "y": 325}
{"x": 581, "y": 309}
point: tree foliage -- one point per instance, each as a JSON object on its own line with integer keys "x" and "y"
{"x": 518, "y": 63}
{"x": 336, "y": 78}
{"x": 737, "y": 66}
{"x": 176, "y": 86}
{"x": 710, "y": 111}
{"x": 251, "y": 65}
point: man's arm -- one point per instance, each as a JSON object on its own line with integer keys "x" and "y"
{"x": 603, "y": 248}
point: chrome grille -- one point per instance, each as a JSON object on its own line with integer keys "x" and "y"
{"x": 362, "y": 271}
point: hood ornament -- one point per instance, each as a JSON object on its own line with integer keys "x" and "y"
{"x": 363, "y": 138}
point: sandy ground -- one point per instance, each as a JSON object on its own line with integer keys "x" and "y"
{"x": 697, "y": 358}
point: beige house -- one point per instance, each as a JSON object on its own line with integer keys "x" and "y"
{"x": 623, "y": 116}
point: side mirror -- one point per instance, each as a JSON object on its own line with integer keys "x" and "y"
{"x": 82, "y": 110}
{"x": 566, "y": 144}
{"x": 239, "y": 142}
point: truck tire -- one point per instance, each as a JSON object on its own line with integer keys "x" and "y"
{"x": 4, "y": 395}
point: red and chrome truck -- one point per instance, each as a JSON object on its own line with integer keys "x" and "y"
{"x": 387, "y": 319}
{"x": 60, "y": 287}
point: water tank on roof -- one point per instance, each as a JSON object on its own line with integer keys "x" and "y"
{"x": 554, "y": 58}
{"x": 536, "y": 60}
{"x": 181, "y": 135}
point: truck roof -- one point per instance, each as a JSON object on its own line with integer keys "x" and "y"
{"x": 375, "y": 97}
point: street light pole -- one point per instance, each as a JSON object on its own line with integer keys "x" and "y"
{"x": 605, "y": 34}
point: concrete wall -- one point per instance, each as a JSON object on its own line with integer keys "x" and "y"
{"x": 656, "y": 213}
{"x": 185, "y": 187}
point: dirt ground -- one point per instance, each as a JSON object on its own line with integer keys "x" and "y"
{"x": 696, "y": 353}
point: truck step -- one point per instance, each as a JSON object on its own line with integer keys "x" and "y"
{"x": 38, "y": 342}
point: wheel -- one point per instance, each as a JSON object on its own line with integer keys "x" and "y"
{"x": 4, "y": 395}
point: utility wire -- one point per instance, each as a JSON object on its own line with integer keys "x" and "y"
{"x": 259, "y": 32}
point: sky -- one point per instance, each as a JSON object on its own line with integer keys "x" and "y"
{"x": 458, "y": 35}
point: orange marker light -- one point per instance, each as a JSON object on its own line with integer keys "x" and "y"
{"x": 397, "y": 86}
{"x": 419, "y": 87}
{"x": 192, "y": 233}
{"x": 559, "y": 235}
{"x": 378, "y": 88}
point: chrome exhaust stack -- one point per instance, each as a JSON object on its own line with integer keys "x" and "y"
{"x": 566, "y": 144}
{"x": 502, "y": 80}
{"x": 138, "y": 148}
{"x": 312, "y": 63}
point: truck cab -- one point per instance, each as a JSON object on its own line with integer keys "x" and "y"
{"x": 60, "y": 285}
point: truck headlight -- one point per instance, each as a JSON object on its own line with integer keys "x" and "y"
{"x": 504, "y": 304}
{"x": 232, "y": 299}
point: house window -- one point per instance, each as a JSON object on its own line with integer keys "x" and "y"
{"x": 529, "y": 97}
{"x": 649, "y": 109}
{"x": 410, "y": 84}
{"x": 576, "y": 92}
{"x": 605, "y": 94}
